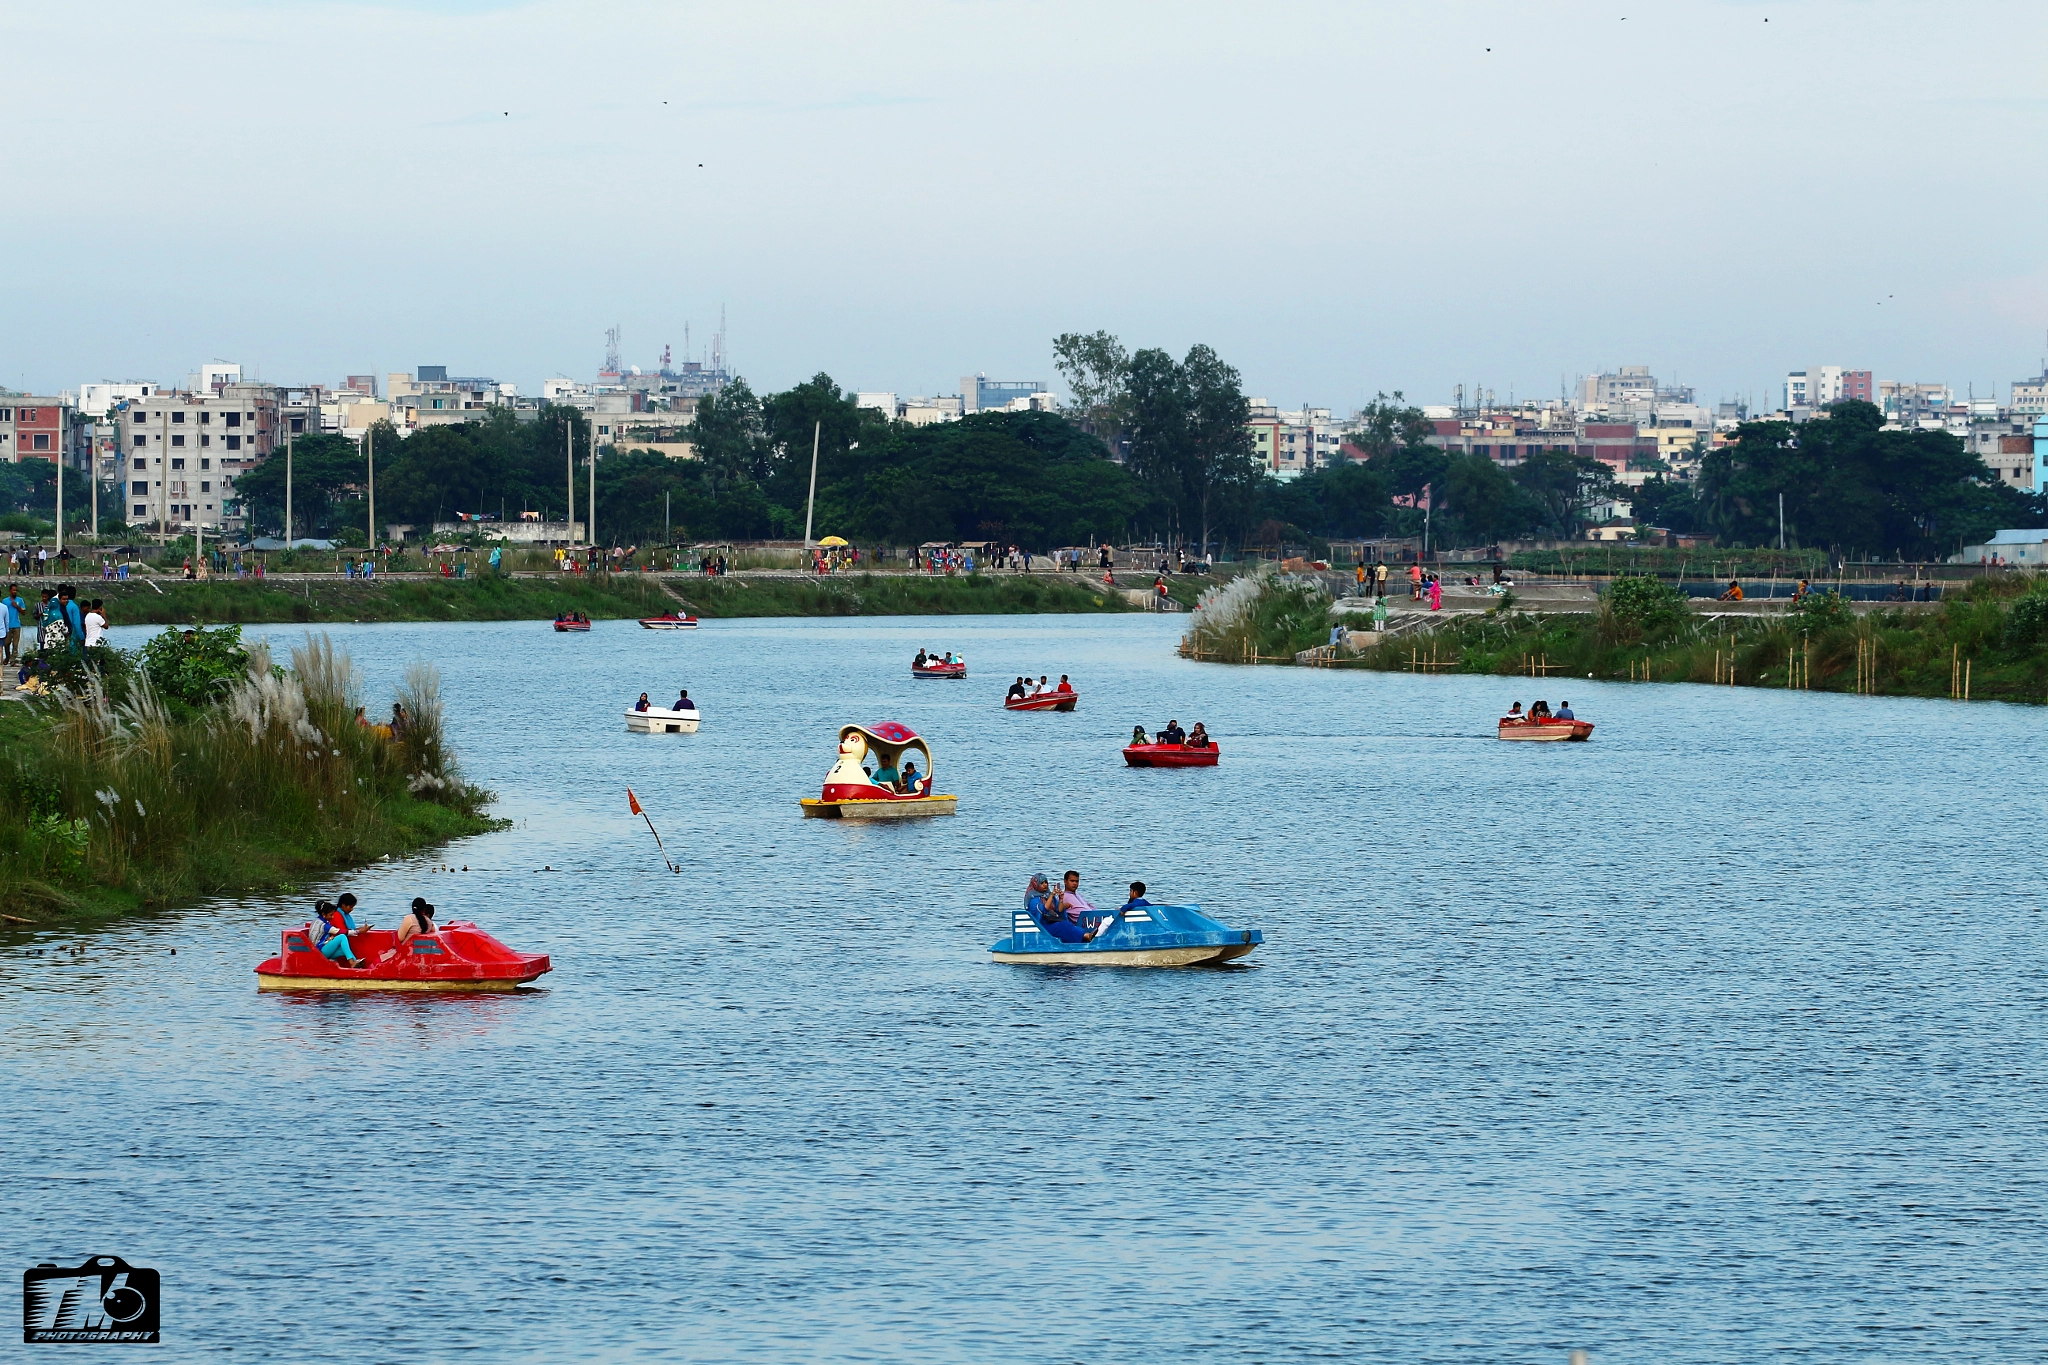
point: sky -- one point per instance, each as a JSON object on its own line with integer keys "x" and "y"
{"x": 1339, "y": 198}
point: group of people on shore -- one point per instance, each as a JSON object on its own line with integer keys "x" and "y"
{"x": 1024, "y": 688}
{"x": 1066, "y": 914}
{"x": 62, "y": 627}
{"x": 1539, "y": 713}
{"x": 1171, "y": 733}
{"x": 334, "y": 927}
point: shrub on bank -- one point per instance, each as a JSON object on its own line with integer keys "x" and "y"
{"x": 115, "y": 796}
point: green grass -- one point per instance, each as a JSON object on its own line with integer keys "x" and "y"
{"x": 111, "y": 804}
{"x": 605, "y": 597}
{"x": 1904, "y": 654}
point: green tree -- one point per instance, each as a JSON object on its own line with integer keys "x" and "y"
{"x": 1190, "y": 445}
{"x": 1852, "y": 486}
{"x": 1027, "y": 478}
{"x": 1563, "y": 485}
{"x": 1485, "y": 501}
{"x": 732, "y": 444}
{"x": 325, "y": 471}
{"x": 1389, "y": 424}
{"x": 1097, "y": 370}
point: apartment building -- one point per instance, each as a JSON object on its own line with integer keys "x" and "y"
{"x": 431, "y": 398}
{"x": 34, "y": 428}
{"x": 181, "y": 452}
{"x": 2030, "y": 396}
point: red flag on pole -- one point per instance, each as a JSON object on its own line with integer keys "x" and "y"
{"x": 634, "y": 802}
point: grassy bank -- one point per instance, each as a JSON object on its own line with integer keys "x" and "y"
{"x": 1991, "y": 638}
{"x": 202, "y": 771}
{"x": 604, "y": 597}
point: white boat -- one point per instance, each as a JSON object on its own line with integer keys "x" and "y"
{"x": 658, "y": 721}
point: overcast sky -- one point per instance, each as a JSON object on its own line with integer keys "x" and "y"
{"x": 1339, "y": 198}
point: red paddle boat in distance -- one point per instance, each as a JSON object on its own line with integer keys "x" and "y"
{"x": 455, "y": 957}
{"x": 1061, "y": 698}
{"x": 933, "y": 666}
{"x": 572, "y": 620}
{"x": 1196, "y": 751}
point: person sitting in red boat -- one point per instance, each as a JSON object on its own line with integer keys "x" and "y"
{"x": 1064, "y": 686}
{"x": 1514, "y": 716}
{"x": 1199, "y": 737}
{"x": 1173, "y": 734}
{"x": 1138, "y": 736}
{"x": 1539, "y": 712}
{"x": 1564, "y": 711}
{"x": 419, "y": 921}
{"x": 1016, "y": 692}
{"x": 335, "y": 925}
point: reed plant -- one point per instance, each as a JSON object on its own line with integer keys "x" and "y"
{"x": 1260, "y": 615}
{"x": 112, "y": 798}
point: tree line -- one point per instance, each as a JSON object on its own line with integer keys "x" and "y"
{"x": 1152, "y": 448}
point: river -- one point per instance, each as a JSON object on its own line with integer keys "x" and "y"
{"x": 1718, "y": 1037}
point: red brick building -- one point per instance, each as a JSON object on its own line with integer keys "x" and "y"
{"x": 33, "y": 428}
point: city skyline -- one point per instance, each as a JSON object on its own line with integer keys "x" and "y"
{"x": 1481, "y": 196}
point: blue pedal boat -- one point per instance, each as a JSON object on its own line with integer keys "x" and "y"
{"x": 1145, "y": 936}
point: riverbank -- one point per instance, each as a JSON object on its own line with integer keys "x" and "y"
{"x": 1987, "y": 642}
{"x": 178, "y": 783}
{"x": 316, "y": 598}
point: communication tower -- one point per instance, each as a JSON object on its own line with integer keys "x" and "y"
{"x": 611, "y": 349}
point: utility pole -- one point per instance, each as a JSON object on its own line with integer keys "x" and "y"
{"x": 163, "y": 464}
{"x": 92, "y": 457}
{"x": 287, "y": 488}
{"x": 59, "y": 462}
{"x": 569, "y": 453}
{"x": 666, "y": 536}
{"x": 591, "y": 525}
{"x": 811, "y": 505}
{"x": 1781, "y": 521}
{"x": 370, "y": 449}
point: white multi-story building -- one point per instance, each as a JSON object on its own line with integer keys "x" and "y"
{"x": 2030, "y": 396}
{"x": 97, "y": 400}
{"x": 181, "y": 452}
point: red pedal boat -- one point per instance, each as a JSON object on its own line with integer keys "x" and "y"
{"x": 938, "y": 669}
{"x": 1170, "y": 756}
{"x": 1044, "y": 701}
{"x": 1546, "y": 731}
{"x": 455, "y": 957}
{"x": 669, "y": 621}
{"x": 575, "y": 620}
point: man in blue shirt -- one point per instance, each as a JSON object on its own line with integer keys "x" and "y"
{"x": 1137, "y": 898}
{"x": 1564, "y": 711}
{"x": 11, "y": 608}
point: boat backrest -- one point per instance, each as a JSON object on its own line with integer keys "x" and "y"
{"x": 1021, "y": 923}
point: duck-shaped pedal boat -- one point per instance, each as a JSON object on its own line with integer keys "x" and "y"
{"x": 668, "y": 621}
{"x": 1141, "y": 936}
{"x": 456, "y": 957}
{"x": 659, "y": 720}
{"x": 1548, "y": 731}
{"x": 852, "y": 792}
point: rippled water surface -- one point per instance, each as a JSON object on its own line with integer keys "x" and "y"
{"x": 1720, "y": 1037}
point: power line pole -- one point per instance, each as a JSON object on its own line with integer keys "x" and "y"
{"x": 569, "y": 453}
{"x": 287, "y": 486}
{"x": 163, "y": 464}
{"x": 370, "y": 449}
{"x": 811, "y": 504}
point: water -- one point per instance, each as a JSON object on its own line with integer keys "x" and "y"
{"x": 1718, "y": 1037}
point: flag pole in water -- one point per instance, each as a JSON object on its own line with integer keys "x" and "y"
{"x": 634, "y": 802}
